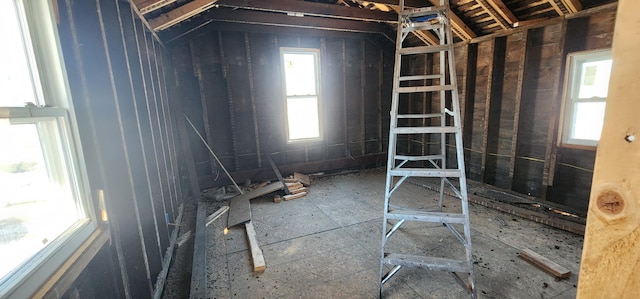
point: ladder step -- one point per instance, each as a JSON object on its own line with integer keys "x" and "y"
{"x": 424, "y": 49}
{"x": 425, "y": 172}
{"x": 420, "y": 77}
{"x": 425, "y": 130}
{"x": 420, "y": 26}
{"x": 424, "y": 88}
{"x": 426, "y": 262}
{"x": 436, "y": 217}
{"x": 423, "y": 11}
{"x": 432, "y": 115}
{"x": 418, "y": 158}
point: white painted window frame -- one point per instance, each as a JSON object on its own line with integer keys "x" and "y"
{"x": 54, "y": 104}
{"x": 570, "y": 97}
{"x": 318, "y": 94}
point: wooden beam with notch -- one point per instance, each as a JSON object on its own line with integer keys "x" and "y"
{"x": 611, "y": 252}
{"x": 180, "y": 14}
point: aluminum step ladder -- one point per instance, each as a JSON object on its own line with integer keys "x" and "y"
{"x": 437, "y": 127}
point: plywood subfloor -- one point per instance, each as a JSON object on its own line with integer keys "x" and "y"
{"x": 327, "y": 245}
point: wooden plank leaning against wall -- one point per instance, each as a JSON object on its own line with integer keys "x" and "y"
{"x": 611, "y": 255}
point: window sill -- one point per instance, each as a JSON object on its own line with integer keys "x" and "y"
{"x": 63, "y": 278}
{"x": 579, "y": 147}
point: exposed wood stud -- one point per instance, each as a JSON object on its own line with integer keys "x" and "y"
{"x": 203, "y": 101}
{"x": 363, "y": 82}
{"x": 487, "y": 110}
{"x": 252, "y": 93}
{"x": 610, "y": 256}
{"x": 344, "y": 99}
{"x": 379, "y": 97}
{"x": 323, "y": 75}
{"x": 517, "y": 106}
{"x": 232, "y": 117}
{"x": 556, "y": 102}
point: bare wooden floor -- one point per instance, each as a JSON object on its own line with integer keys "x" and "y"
{"x": 327, "y": 245}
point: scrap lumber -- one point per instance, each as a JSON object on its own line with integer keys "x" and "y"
{"x": 290, "y": 180}
{"x": 277, "y": 198}
{"x": 261, "y": 185}
{"x": 294, "y": 186}
{"x": 294, "y": 196}
{"x": 187, "y": 236}
{"x": 240, "y": 208}
{"x": 257, "y": 257}
{"x": 278, "y": 174}
{"x": 303, "y": 189}
{"x": 544, "y": 264}
{"x": 302, "y": 178}
{"x": 199, "y": 278}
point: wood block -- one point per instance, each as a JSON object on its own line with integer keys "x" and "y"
{"x": 257, "y": 257}
{"x": 277, "y": 198}
{"x": 261, "y": 185}
{"x": 294, "y": 196}
{"x": 294, "y": 186}
{"x": 288, "y": 180}
{"x": 544, "y": 264}
{"x": 296, "y": 191}
{"x": 303, "y": 178}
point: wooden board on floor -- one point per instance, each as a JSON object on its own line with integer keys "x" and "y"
{"x": 257, "y": 257}
{"x": 544, "y": 263}
{"x": 240, "y": 208}
{"x": 611, "y": 252}
{"x": 199, "y": 278}
{"x": 302, "y": 178}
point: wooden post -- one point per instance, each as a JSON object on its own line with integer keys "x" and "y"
{"x": 611, "y": 253}
{"x": 516, "y": 110}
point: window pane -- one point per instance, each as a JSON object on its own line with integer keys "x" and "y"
{"x": 300, "y": 74}
{"x": 594, "y": 79}
{"x": 16, "y": 87}
{"x": 302, "y": 114}
{"x": 588, "y": 120}
{"x": 37, "y": 202}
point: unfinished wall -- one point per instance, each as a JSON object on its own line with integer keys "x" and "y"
{"x": 231, "y": 88}
{"x": 117, "y": 74}
{"x": 511, "y": 87}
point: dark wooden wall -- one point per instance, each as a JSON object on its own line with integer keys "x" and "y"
{"x": 231, "y": 88}
{"x": 118, "y": 77}
{"x": 510, "y": 87}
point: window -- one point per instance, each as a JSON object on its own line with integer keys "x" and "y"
{"x": 45, "y": 212}
{"x": 585, "y": 97}
{"x": 302, "y": 102}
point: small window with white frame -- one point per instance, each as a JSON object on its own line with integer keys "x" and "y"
{"x": 585, "y": 97}
{"x": 45, "y": 207}
{"x": 302, "y": 96}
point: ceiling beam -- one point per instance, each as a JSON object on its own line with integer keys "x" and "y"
{"x": 249, "y": 17}
{"x": 572, "y": 5}
{"x": 486, "y": 7}
{"x": 407, "y": 3}
{"x": 555, "y": 7}
{"x": 312, "y": 9}
{"x": 147, "y": 6}
{"x": 458, "y": 24}
{"x": 180, "y": 14}
{"x": 503, "y": 10}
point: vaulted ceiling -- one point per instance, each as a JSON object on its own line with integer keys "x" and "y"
{"x": 172, "y": 19}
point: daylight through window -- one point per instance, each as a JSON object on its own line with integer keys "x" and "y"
{"x": 302, "y": 96}
{"x": 585, "y": 97}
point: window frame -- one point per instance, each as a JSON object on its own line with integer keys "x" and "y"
{"x": 48, "y": 74}
{"x": 316, "y": 54}
{"x": 574, "y": 62}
